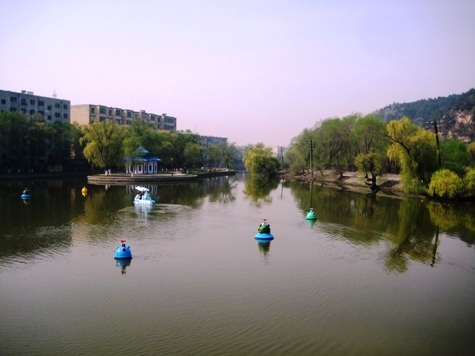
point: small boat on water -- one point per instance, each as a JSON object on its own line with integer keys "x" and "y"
{"x": 26, "y": 194}
{"x": 143, "y": 196}
{"x": 263, "y": 232}
{"x": 311, "y": 215}
{"x": 122, "y": 252}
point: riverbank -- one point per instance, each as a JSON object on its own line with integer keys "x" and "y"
{"x": 390, "y": 184}
{"x": 168, "y": 177}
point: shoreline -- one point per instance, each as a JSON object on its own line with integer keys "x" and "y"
{"x": 389, "y": 184}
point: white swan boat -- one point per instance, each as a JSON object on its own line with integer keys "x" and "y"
{"x": 143, "y": 196}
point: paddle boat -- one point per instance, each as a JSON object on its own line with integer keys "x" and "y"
{"x": 123, "y": 252}
{"x": 311, "y": 215}
{"x": 143, "y": 196}
{"x": 263, "y": 232}
{"x": 26, "y": 194}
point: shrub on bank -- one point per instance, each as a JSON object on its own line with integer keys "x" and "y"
{"x": 445, "y": 184}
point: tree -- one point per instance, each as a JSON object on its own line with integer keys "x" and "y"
{"x": 370, "y": 140}
{"x": 258, "y": 159}
{"x": 103, "y": 143}
{"x": 334, "y": 143}
{"x": 469, "y": 182}
{"x": 455, "y": 155}
{"x": 416, "y": 150}
{"x": 193, "y": 154}
{"x": 214, "y": 155}
{"x": 228, "y": 153}
{"x": 471, "y": 151}
{"x": 445, "y": 184}
{"x": 14, "y": 131}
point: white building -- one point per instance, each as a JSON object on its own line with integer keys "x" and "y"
{"x": 52, "y": 109}
{"x": 86, "y": 114}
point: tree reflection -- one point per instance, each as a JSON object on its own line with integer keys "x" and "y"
{"x": 410, "y": 225}
{"x": 222, "y": 189}
{"x": 412, "y": 235}
{"x": 258, "y": 188}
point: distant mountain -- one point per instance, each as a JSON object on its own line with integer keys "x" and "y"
{"x": 454, "y": 114}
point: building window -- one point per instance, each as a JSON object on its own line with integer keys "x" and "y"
{"x": 65, "y": 107}
{"x": 129, "y": 114}
{"x": 110, "y": 112}
{"x": 102, "y": 118}
{"x": 32, "y": 112}
{"x": 92, "y": 110}
{"x": 3, "y": 101}
{"x": 102, "y": 110}
{"x": 23, "y": 102}
{"x": 49, "y": 117}
{"x": 65, "y": 116}
{"x": 41, "y": 103}
{"x": 152, "y": 117}
{"x": 57, "y": 106}
{"x": 12, "y": 109}
{"x": 32, "y": 102}
{"x": 117, "y": 112}
{"x": 48, "y": 107}
{"x": 57, "y": 114}
{"x": 12, "y": 99}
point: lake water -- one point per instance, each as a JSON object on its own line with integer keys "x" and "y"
{"x": 371, "y": 276}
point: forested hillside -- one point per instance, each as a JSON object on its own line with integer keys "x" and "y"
{"x": 454, "y": 114}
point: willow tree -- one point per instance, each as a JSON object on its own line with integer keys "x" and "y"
{"x": 370, "y": 142}
{"x": 416, "y": 150}
{"x": 103, "y": 143}
{"x": 333, "y": 143}
{"x": 258, "y": 159}
{"x": 229, "y": 153}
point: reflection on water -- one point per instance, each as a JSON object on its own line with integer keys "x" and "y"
{"x": 123, "y": 264}
{"x": 372, "y": 275}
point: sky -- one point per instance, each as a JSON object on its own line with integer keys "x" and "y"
{"x": 250, "y": 71}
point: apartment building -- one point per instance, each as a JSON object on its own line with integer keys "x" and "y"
{"x": 88, "y": 113}
{"x": 52, "y": 109}
{"x": 212, "y": 140}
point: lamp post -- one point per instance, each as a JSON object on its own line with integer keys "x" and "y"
{"x": 172, "y": 165}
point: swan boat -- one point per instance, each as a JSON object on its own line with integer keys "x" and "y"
{"x": 143, "y": 196}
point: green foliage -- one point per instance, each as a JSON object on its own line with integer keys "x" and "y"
{"x": 454, "y": 155}
{"x": 104, "y": 143}
{"x": 445, "y": 184}
{"x": 228, "y": 153}
{"x": 334, "y": 143}
{"x": 471, "y": 151}
{"x": 26, "y": 141}
{"x": 415, "y": 149}
{"x": 469, "y": 182}
{"x": 258, "y": 159}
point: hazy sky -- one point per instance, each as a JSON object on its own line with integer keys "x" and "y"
{"x": 251, "y": 71}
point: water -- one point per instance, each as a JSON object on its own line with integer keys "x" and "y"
{"x": 370, "y": 276}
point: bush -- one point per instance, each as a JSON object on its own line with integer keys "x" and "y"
{"x": 469, "y": 181}
{"x": 445, "y": 184}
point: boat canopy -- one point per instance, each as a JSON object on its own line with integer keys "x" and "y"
{"x": 141, "y": 189}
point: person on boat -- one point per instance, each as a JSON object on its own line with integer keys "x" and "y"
{"x": 26, "y": 191}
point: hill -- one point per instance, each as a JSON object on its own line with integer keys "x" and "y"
{"x": 454, "y": 114}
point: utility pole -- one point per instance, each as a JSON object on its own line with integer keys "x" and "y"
{"x": 437, "y": 140}
{"x": 311, "y": 156}
{"x": 436, "y": 131}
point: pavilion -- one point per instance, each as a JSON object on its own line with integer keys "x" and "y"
{"x": 141, "y": 162}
